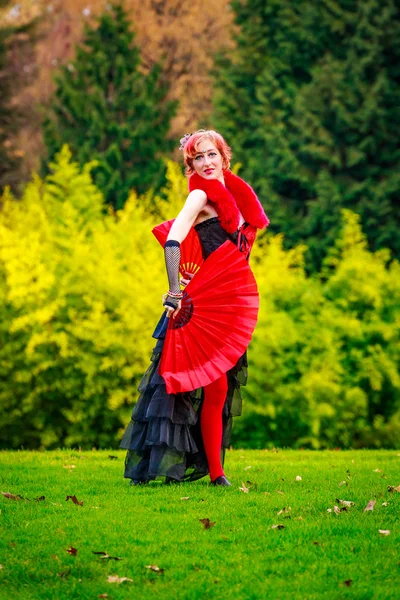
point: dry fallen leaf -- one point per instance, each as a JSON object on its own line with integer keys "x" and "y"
{"x": 102, "y": 596}
{"x": 252, "y": 485}
{"x": 377, "y": 470}
{"x": 278, "y": 526}
{"x": 342, "y": 483}
{"x": 370, "y": 505}
{"x": 384, "y": 531}
{"x": 12, "y": 496}
{"x": 185, "y": 498}
{"x": 207, "y": 524}
{"x": 348, "y": 582}
{"x": 106, "y": 556}
{"x": 280, "y": 492}
{"x": 117, "y": 579}
{"x": 1, "y": 567}
{"x": 74, "y": 500}
{"x": 155, "y": 568}
{"x": 298, "y": 478}
{"x": 345, "y": 502}
{"x": 397, "y": 489}
{"x": 285, "y": 511}
{"x": 244, "y": 489}
{"x": 335, "y": 509}
{"x": 385, "y": 503}
{"x": 18, "y": 497}
{"x": 72, "y": 551}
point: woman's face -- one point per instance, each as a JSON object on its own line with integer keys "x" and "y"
{"x": 208, "y": 161}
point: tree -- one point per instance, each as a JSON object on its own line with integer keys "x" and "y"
{"x": 324, "y": 360}
{"x": 311, "y": 104}
{"x": 183, "y": 36}
{"x": 106, "y": 109}
{"x": 8, "y": 162}
{"x": 17, "y": 39}
{"x": 75, "y": 326}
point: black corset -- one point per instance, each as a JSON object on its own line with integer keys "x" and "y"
{"x": 212, "y": 235}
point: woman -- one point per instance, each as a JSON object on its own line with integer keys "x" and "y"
{"x": 183, "y": 436}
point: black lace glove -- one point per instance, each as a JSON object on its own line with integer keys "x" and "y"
{"x": 172, "y": 253}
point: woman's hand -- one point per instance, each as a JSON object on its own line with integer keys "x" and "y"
{"x": 188, "y": 277}
{"x": 171, "y": 311}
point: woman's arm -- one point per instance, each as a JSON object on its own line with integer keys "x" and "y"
{"x": 194, "y": 204}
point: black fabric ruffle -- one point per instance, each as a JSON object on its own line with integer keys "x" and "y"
{"x": 164, "y": 438}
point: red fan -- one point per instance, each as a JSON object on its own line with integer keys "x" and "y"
{"x": 215, "y": 324}
{"x": 191, "y": 256}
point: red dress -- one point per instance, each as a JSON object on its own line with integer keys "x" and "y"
{"x": 164, "y": 438}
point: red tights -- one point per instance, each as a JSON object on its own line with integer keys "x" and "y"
{"x": 211, "y": 423}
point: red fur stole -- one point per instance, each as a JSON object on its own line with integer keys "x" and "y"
{"x": 228, "y": 200}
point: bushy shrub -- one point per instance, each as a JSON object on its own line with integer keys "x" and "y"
{"x": 80, "y": 294}
{"x": 325, "y": 354}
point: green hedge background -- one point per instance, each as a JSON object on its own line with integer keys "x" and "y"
{"x": 308, "y": 96}
{"x": 80, "y": 294}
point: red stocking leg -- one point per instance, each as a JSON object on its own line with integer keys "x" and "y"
{"x": 211, "y": 423}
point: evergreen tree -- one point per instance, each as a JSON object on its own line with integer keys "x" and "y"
{"x": 311, "y": 104}
{"x": 105, "y": 108}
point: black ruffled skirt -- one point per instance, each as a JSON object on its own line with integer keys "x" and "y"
{"x": 164, "y": 438}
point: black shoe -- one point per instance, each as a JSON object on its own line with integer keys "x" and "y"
{"x": 171, "y": 480}
{"x": 221, "y": 480}
{"x": 138, "y": 482}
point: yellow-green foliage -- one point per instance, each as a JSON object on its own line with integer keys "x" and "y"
{"x": 326, "y": 351}
{"x": 80, "y": 294}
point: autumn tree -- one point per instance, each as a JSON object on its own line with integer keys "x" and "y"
{"x": 106, "y": 109}
{"x": 7, "y": 162}
{"x": 17, "y": 39}
{"x": 311, "y": 104}
{"x": 182, "y": 36}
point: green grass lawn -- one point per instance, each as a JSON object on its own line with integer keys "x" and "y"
{"x": 316, "y": 554}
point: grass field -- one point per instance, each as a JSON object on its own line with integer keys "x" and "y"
{"x": 47, "y": 546}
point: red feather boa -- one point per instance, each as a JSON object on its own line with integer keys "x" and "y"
{"x": 228, "y": 200}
